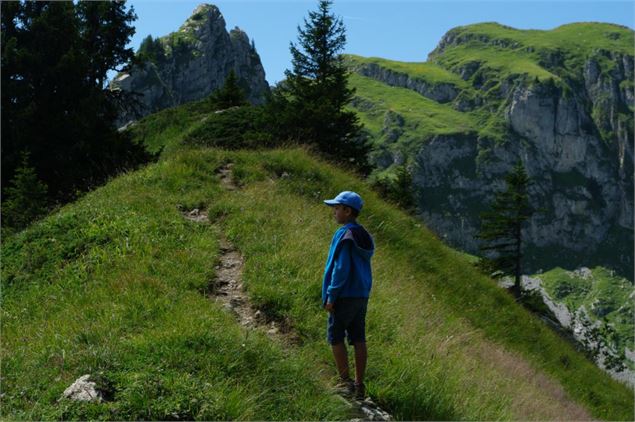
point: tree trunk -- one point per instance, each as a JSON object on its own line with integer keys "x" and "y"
{"x": 517, "y": 257}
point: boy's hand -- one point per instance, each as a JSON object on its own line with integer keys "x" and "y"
{"x": 329, "y": 307}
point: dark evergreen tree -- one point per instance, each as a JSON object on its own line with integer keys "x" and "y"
{"x": 55, "y": 57}
{"x": 104, "y": 29}
{"x": 230, "y": 94}
{"x": 27, "y": 197}
{"x": 501, "y": 228}
{"x": 151, "y": 50}
{"x": 310, "y": 104}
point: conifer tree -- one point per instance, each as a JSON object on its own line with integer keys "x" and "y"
{"x": 55, "y": 105}
{"x": 501, "y": 227}
{"x": 27, "y": 197}
{"x": 230, "y": 94}
{"x": 311, "y": 101}
{"x": 151, "y": 50}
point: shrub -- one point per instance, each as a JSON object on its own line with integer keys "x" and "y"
{"x": 26, "y": 198}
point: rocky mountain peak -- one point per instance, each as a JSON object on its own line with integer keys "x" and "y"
{"x": 196, "y": 60}
{"x": 204, "y": 14}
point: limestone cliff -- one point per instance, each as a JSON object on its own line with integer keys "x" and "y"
{"x": 560, "y": 100}
{"x": 193, "y": 62}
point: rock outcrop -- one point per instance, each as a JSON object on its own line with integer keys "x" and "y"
{"x": 441, "y": 92}
{"x": 193, "y": 62}
{"x": 571, "y": 126}
{"x": 83, "y": 389}
{"x": 581, "y": 326}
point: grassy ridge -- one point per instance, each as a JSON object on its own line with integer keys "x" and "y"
{"x": 423, "y": 117}
{"x": 431, "y": 310}
{"x": 113, "y": 285}
{"x": 428, "y": 72}
{"x": 496, "y": 45}
{"x": 120, "y": 292}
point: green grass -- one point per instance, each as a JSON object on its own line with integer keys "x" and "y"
{"x": 574, "y": 41}
{"x": 424, "y": 117}
{"x": 429, "y": 318}
{"x": 115, "y": 284}
{"x": 500, "y": 61}
{"x": 604, "y": 295}
{"x": 428, "y": 72}
{"x": 167, "y": 128}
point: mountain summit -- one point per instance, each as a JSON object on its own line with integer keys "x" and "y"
{"x": 192, "y": 62}
{"x": 560, "y": 100}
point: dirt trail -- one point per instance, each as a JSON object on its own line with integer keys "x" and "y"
{"x": 227, "y": 289}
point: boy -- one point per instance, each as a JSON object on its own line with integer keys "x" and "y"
{"x": 345, "y": 289}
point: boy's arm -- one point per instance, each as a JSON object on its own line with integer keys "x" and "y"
{"x": 341, "y": 270}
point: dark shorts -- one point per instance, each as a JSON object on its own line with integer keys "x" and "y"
{"x": 348, "y": 319}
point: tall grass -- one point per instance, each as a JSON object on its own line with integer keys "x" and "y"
{"x": 114, "y": 285}
{"x": 444, "y": 341}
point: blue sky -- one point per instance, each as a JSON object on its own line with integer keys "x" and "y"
{"x": 397, "y": 30}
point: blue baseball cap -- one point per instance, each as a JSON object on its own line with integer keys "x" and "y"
{"x": 348, "y": 198}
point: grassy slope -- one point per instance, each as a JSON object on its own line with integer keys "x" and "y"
{"x": 575, "y": 42}
{"x": 604, "y": 295}
{"x": 427, "y": 72}
{"x": 424, "y": 117}
{"x": 115, "y": 284}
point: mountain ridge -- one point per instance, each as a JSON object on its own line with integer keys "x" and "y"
{"x": 190, "y": 63}
{"x": 565, "y": 113}
{"x": 123, "y": 275}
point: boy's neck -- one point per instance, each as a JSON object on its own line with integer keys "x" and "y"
{"x": 352, "y": 220}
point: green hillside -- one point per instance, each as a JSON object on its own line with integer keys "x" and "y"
{"x": 488, "y": 55}
{"x": 428, "y": 72}
{"x": 424, "y": 117}
{"x": 117, "y": 283}
{"x": 603, "y": 294}
{"x": 533, "y": 50}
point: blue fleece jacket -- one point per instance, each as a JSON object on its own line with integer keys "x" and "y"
{"x": 347, "y": 272}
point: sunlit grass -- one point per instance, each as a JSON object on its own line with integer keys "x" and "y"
{"x": 115, "y": 285}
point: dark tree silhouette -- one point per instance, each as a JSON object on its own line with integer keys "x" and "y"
{"x": 501, "y": 228}
{"x": 230, "y": 94}
{"x": 309, "y": 103}
{"x": 55, "y": 59}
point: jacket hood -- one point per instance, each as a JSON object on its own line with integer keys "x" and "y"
{"x": 363, "y": 241}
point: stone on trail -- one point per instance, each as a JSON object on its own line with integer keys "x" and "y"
{"x": 83, "y": 390}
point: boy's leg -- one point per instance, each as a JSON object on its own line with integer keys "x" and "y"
{"x": 361, "y": 355}
{"x": 341, "y": 359}
{"x": 357, "y": 338}
{"x": 335, "y": 335}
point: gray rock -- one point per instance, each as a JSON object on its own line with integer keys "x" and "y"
{"x": 83, "y": 390}
{"x": 198, "y": 59}
{"x": 583, "y": 183}
{"x": 441, "y": 92}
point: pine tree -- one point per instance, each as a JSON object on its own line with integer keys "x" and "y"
{"x": 55, "y": 59}
{"x": 27, "y": 197}
{"x": 105, "y": 28}
{"x": 151, "y": 50}
{"x": 230, "y": 94}
{"x": 311, "y": 101}
{"x": 501, "y": 227}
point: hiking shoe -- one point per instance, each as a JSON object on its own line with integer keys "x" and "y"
{"x": 345, "y": 387}
{"x": 359, "y": 391}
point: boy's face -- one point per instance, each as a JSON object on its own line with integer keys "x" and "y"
{"x": 342, "y": 213}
